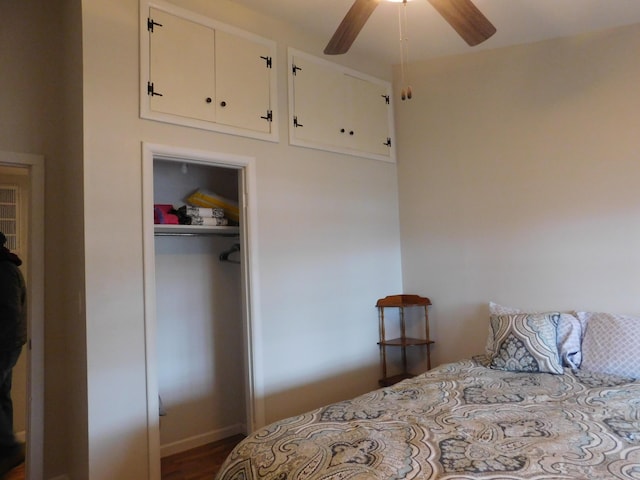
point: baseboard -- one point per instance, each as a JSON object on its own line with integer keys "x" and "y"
{"x": 199, "y": 440}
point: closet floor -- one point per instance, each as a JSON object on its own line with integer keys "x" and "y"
{"x": 199, "y": 463}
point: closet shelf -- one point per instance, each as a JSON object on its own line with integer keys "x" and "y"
{"x": 194, "y": 230}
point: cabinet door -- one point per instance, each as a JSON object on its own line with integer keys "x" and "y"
{"x": 242, "y": 82}
{"x": 368, "y": 111}
{"x": 337, "y": 109}
{"x": 181, "y": 66}
{"x": 318, "y": 98}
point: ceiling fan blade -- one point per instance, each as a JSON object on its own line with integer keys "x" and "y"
{"x": 466, "y": 19}
{"x": 350, "y": 26}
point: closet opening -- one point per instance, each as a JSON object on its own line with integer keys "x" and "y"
{"x": 198, "y": 304}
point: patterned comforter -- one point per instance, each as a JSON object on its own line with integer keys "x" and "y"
{"x": 458, "y": 421}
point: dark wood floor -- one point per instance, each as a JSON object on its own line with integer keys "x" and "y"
{"x": 18, "y": 472}
{"x": 15, "y": 474}
{"x": 197, "y": 464}
{"x": 200, "y": 463}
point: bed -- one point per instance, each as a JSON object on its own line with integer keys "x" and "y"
{"x": 525, "y": 409}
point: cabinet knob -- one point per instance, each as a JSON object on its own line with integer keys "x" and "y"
{"x": 208, "y": 100}
{"x": 350, "y": 132}
{"x": 223, "y": 103}
{"x": 342, "y": 130}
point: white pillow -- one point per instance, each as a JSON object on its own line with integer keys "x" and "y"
{"x": 497, "y": 309}
{"x": 569, "y": 335}
{"x": 611, "y": 343}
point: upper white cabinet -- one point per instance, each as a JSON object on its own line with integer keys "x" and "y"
{"x": 337, "y": 109}
{"x": 181, "y": 74}
{"x": 242, "y": 86}
{"x": 205, "y": 74}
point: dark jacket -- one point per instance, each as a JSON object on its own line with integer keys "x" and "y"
{"x": 13, "y": 308}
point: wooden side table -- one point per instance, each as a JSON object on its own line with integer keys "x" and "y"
{"x": 403, "y": 342}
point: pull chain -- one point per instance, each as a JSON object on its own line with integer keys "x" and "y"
{"x": 406, "y": 92}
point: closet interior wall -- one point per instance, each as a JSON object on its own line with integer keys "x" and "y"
{"x": 199, "y": 318}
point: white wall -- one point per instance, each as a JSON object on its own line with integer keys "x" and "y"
{"x": 200, "y": 348}
{"x": 41, "y": 113}
{"x": 328, "y": 242}
{"x": 518, "y": 179}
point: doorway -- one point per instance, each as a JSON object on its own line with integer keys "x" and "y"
{"x": 23, "y": 174}
{"x": 157, "y": 158}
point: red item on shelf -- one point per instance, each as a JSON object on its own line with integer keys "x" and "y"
{"x": 162, "y": 216}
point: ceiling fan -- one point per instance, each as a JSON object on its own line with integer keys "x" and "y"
{"x": 462, "y": 15}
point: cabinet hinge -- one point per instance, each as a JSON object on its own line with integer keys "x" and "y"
{"x": 388, "y": 142}
{"x": 151, "y": 91}
{"x": 268, "y": 61}
{"x": 151, "y": 24}
{"x": 294, "y": 69}
{"x": 295, "y": 122}
{"x": 386, "y": 98}
{"x": 269, "y": 116}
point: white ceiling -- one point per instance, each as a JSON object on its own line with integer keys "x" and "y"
{"x": 517, "y": 22}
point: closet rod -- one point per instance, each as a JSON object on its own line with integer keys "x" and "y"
{"x": 185, "y": 234}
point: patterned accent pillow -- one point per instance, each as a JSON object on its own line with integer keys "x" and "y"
{"x": 611, "y": 344}
{"x": 496, "y": 309}
{"x": 526, "y": 342}
{"x": 569, "y": 334}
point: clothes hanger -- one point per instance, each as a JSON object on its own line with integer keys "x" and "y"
{"x": 224, "y": 256}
